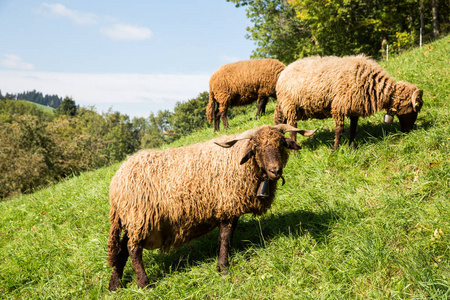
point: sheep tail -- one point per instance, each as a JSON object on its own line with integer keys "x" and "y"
{"x": 114, "y": 238}
{"x": 210, "y": 108}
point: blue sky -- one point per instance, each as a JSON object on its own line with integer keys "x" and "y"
{"x": 134, "y": 56}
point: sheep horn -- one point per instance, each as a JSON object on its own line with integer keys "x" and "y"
{"x": 288, "y": 128}
{"x": 413, "y": 98}
{"x": 243, "y": 136}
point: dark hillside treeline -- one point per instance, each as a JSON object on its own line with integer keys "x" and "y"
{"x": 35, "y": 97}
{"x": 39, "y": 147}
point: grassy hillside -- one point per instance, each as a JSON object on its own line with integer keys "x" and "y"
{"x": 44, "y": 107}
{"x": 366, "y": 224}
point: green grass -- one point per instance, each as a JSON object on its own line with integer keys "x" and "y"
{"x": 367, "y": 224}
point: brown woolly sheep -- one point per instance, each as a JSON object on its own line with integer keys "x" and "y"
{"x": 242, "y": 83}
{"x": 164, "y": 199}
{"x": 352, "y": 86}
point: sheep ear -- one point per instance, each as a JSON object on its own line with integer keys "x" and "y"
{"x": 291, "y": 144}
{"x": 249, "y": 154}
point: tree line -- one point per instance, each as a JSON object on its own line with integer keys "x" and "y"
{"x": 35, "y": 97}
{"x": 38, "y": 147}
{"x": 293, "y": 29}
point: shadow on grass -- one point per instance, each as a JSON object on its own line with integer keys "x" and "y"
{"x": 366, "y": 133}
{"x": 250, "y": 232}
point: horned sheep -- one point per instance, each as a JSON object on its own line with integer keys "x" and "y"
{"x": 352, "y": 86}
{"x": 241, "y": 83}
{"x": 164, "y": 199}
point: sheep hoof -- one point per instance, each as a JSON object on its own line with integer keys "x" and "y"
{"x": 114, "y": 286}
{"x": 115, "y": 282}
{"x": 223, "y": 271}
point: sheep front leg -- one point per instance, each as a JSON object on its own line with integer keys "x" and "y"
{"x": 227, "y": 228}
{"x": 353, "y": 125}
{"x": 338, "y": 131}
{"x": 138, "y": 265}
{"x": 122, "y": 257}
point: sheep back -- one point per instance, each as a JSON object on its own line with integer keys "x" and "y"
{"x": 188, "y": 189}
{"x": 322, "y": 87}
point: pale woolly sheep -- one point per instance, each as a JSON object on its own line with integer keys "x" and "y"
{"x": 241, "y": 83}
{"x": 352, "y": 86}
{"x": 164, "y": 199}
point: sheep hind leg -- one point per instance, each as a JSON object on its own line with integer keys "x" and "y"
{"x": 262, "y": 102}
{"x": 293, "y": 135}
{"x": 138, "y": 265}
{"x": 217, "y": 115}
{"x": 279, "y": 118}
{"x": 117, "y": 273}
{"x": 227, "y": 228}
{"x": 353, "y": 125}
{"x": 225, "y": 119}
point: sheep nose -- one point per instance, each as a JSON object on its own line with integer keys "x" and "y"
{"x": 275, "y": 172}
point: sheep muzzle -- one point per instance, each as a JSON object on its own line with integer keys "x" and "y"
{"x": 407, "y": 121}
{"x": 274, "y": 173}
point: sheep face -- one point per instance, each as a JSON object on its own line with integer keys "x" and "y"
{"x": 270, "y": 147}
{"x": 407, "y": 121}
{"x": 410, "y": 103}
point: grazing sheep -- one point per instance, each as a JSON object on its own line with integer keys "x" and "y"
{"x": 164, "y": 199}
{"x": 352, "y": 86}
{"x": 242, "y": 83}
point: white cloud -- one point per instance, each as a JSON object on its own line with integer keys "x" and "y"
{"x": 131, "y": 94}
{"x": 126, "y": 32}
{"x": 73, "y": 15}
{"x": 12, "y": 61}
{"x": 230, "y": 59}
{"x": 115, "y": 31}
